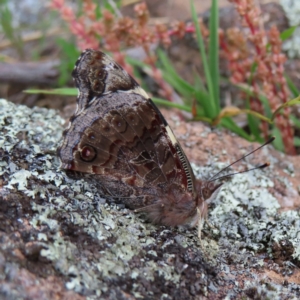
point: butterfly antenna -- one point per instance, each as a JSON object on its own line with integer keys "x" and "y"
{"x": 248, "y": 170}
{"x": 259, "y": 167}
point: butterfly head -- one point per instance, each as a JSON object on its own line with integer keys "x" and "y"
{"x": 207, "y": 190}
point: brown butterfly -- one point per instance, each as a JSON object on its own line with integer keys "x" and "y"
{"x": 118, "y": 135}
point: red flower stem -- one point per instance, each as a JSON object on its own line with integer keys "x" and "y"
{"x": 253, "y": 31}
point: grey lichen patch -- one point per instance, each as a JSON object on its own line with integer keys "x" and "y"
{"x": 265, "y": 290}
{"x": 245, "y": 212}
{"x": 31, "y": 123}
{"x": 20, "y": 179}
{"x": 102, "y": 251}
{"x": 88, "y": 242}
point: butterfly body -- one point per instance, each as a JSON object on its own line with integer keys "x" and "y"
{"x": 119, "y": 137}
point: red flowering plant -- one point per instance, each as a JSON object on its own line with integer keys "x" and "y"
{"x": 257, "y": 70}
{"x": 94, "y": 27}
{"x": 262, "y": 68}
{"x": 256, "y": 64}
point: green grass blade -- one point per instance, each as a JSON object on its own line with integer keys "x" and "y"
{"x": 136, "y": 63}
{"x": 74, "y": 92}
{"x": 231, "y": 125}
{"x": 167, "y": 103}
{"x": 264, "y": 100}
{"x": 297, "y": 141}
{"x": 292, "y": 86}
{"x": 61, "y": 91}
{"x": 169, "y": 74}
{"x": 179, "y": 84}
{"x": 213, "y": 110}
{"x": 172, "y": 77}
{"x": 253, "y": 124}
{"x": 213, "y": 51}
{"x": 198, "y": 82}
{"x": 278, "y": 143}
{"x": 295, "y": 121}
{"x": 289, "y": 103}
{"x": 182, "y": 86}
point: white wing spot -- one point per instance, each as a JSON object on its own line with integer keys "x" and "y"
{"x": 171, "y": 135}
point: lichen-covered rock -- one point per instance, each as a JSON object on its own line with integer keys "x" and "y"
{"x": 61, "y": 240}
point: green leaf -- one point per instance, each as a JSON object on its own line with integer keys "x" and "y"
{"x": 296, "y": 141}
{"x": 284, "y": 35}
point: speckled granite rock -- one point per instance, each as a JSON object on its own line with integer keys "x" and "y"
{"x": 60, "y": 240}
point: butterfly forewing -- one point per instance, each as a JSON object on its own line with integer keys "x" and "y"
{"x": 118, "y": 134}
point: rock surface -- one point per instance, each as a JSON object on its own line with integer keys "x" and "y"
{"x": 61, "y": 240}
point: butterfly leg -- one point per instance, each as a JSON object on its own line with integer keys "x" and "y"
{"x": 209, "y": 224}
{"x": 200, "y": 224}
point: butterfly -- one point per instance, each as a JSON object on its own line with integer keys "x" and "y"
{"x": 121, "y": 140}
